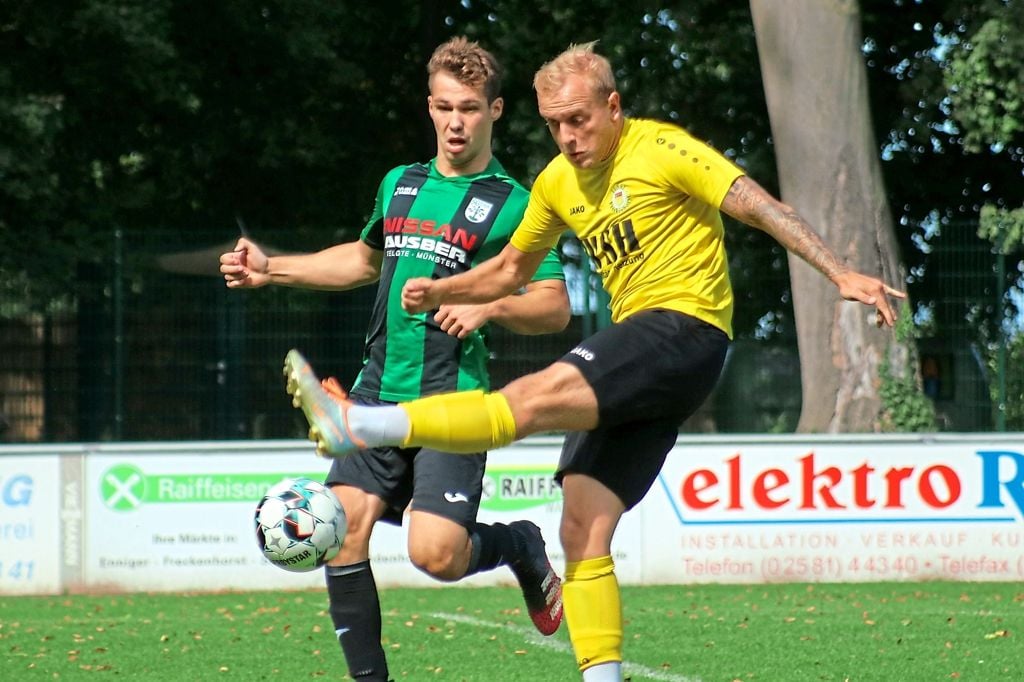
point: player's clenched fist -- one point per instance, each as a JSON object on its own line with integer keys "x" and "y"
{"x": 246, "y": 266}
{"x": 420, "y": 294}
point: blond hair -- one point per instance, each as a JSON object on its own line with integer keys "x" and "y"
{"x": 470, "y": 64}
{"x": 577, "y": 60}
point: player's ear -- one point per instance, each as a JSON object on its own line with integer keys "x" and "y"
{"x": 614, "y": 104}
{"x": 497, "y": 106}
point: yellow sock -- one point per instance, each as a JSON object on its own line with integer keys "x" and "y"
{"x": 468, "y": 421}
{"x": 593, "y": 611}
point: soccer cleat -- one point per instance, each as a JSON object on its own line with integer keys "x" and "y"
{"x": 325, "y": 406}
{"x": 542, "y": 588}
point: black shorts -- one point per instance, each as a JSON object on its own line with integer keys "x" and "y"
{"x": 441, "y": 483}
{"x": 649, "y": 373}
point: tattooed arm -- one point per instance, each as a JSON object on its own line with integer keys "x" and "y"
{"x": 749, "y": 203}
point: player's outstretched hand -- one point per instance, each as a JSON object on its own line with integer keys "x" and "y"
{"x": 246, "y": 266}
{"x": 853, "y": 286}
{"x": 420, "y": 295}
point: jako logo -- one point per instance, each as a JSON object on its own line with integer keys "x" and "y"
{"x": 583, "y": 353}
{"x": 17, "y": 491}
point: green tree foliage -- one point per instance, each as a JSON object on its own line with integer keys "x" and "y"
{"x": 906, "y": 408}
{"x": 986, "y": 86}
{"x": 985, "y": 81}
{"x": 173, "y": 116}
{"x": 1003, "y": 227}
{"x": 937, "y": 183}
{"x": 1013, "y": 406}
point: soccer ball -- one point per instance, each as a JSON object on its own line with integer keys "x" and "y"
{"x": 300, "y": 524}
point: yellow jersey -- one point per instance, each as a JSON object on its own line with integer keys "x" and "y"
{"x": 649, "y": 218}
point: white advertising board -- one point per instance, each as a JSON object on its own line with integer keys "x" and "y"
{"x": 133, "y": 517}
{"x": 30, "y": 538}
{"x": 160, "y": 519}
{"x": 175, "y": 519}
{"x": 817, "y": 510}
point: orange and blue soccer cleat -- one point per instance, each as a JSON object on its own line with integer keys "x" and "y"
{"x": 325, "y": 405}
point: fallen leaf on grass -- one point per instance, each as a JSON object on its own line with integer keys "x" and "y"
{"x": 997, "y": 634}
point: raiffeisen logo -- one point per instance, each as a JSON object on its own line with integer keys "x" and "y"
{"x": 519, "y": 487}
{"x": 125, "y": 487}
{"x": 859, "y": 483}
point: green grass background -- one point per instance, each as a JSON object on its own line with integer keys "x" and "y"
{"x": 786, "y": 632}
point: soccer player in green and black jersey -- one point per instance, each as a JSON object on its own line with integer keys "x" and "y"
{"x": 429, "y": 225}
{"x": 429, "y": 220}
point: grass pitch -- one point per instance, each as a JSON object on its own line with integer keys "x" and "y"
{"x": 786, "y": 632}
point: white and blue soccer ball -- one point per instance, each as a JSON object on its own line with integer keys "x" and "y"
{"x": 300, "y": 524}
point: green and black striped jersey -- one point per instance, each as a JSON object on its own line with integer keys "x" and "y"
{"x": 429, "y": 225}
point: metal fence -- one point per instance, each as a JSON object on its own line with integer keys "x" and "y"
{"x": 156, "y": 348}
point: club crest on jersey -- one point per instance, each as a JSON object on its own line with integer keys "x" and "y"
{"x": 620, "y": 198}
{"x": 478, "y": 210}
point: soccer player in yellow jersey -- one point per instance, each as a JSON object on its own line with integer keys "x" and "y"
{"x": 645, "y": 200}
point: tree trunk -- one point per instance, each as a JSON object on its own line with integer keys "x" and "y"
{"x": 815, "y": 84}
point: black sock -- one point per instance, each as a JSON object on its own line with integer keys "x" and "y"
{"x": 355, "y": 611}
{"x": 493, "y": 546}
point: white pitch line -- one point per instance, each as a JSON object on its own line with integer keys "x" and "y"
{"x": 633, "y": 669}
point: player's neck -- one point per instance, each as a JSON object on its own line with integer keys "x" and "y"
{"x": 614, "y": 147}
{"x": 478, "y": 164}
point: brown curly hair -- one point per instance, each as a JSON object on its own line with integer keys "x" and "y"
{"x": 471, "y": 65}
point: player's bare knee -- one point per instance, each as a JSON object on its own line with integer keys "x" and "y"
{"x": 439, "y": 562}
{"x": 573, "y": 533}
{"x": 359, "y": 526}
{"x": 585, "y": 535}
